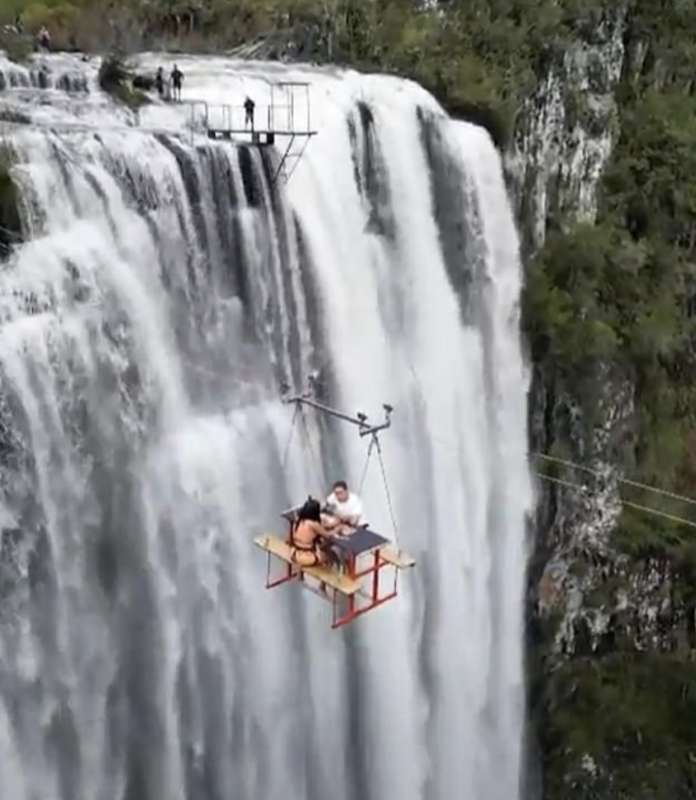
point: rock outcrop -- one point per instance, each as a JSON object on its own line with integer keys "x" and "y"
{"x": 612, "y": 604}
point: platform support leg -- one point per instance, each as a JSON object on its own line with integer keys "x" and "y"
{"x": 375, "y": 578}
{"x": 284, "y": 158}
{"x": 351, "y": 573}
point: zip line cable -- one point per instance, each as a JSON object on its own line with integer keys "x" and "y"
{"x": 657, "y": 513}
{"x": 623, "y": 503}
{"x": 561, "y": 482}
{"x": 589, "y": 470}
{"x": 681, "y": 498}
{"x": 443, "y": 444}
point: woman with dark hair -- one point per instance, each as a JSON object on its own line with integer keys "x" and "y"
{"x": 307, "y": 535}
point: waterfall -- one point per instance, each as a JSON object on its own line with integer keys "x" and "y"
{"x": 164, "y": 291}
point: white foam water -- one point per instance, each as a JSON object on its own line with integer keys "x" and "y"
{"x": 165, "y": 291}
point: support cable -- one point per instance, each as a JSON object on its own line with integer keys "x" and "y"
{"x": 395, "y": 528}
{"x": 624, "y": 503}
{"x": 367, "y": 465}
{"x": 375, "y": 445}
{"x": 635, "y": 484}
{"x": 595, "y": 473}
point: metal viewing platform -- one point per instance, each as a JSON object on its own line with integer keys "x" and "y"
{"x": 285, "y": 122}
{"x": 286, "y": 116}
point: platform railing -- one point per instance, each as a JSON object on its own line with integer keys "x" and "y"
{"x": 275, "y": 118}
{"x": 287, "y": 114}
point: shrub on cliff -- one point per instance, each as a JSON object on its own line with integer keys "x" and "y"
{"x": 18, "y": 48}
{"x": 117, "y": 81}
{"x": 642, "y": 747}
{"x": 595, "y": 293}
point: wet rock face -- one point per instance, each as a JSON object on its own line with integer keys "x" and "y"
{"x": 576, "y": 530}
{"x": 601, "y": 603}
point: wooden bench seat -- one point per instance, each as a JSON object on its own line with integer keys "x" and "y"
{"x": 397, "y": 558}
{"x": 332, "y": 578}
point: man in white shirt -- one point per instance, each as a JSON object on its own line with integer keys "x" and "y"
{"x": 344, "y": 510}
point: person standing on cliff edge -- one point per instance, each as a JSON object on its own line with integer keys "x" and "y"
{"x": 44, "y": 39}
{"x": 249, "y": 106}
{"x": 159, "y": 82}
{"x": 177, "y": 80}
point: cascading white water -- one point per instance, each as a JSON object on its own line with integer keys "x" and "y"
{"x": 163, "y": 295}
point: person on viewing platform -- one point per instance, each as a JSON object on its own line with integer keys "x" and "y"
{"x": 343, "y": 512}
{"x": 177, "y": 79}
{"x": 249, "y": 106}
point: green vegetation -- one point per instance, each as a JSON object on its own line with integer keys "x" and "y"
{"x": 64, "y": 19}
{"x": 478, "y": 57}
{"x": 632, "y": 715}
{"x": 115, "y": 79}
{"x": 643, "y": 537}
{"x": 647, "y": 537}
{"x": 623, "y": 290}
{"x": 18, "y": 48}
{"x": 599, "y": 292}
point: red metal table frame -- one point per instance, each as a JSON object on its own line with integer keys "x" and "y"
{"x": 375, "y": 569}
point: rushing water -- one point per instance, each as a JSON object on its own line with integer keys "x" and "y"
{"x": 164, "y": 293}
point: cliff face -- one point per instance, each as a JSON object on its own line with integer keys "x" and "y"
{"x": 612, "y": 638}
{"x": 566, "y": 130}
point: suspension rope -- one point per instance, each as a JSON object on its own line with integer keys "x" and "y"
{"x": 395, "y": 528}
{"x": 367, "y": 465}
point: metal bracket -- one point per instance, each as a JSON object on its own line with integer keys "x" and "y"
{"x": 360, "y": 420}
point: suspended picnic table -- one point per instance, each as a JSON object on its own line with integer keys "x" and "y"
{"x": 368, "y": 575}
